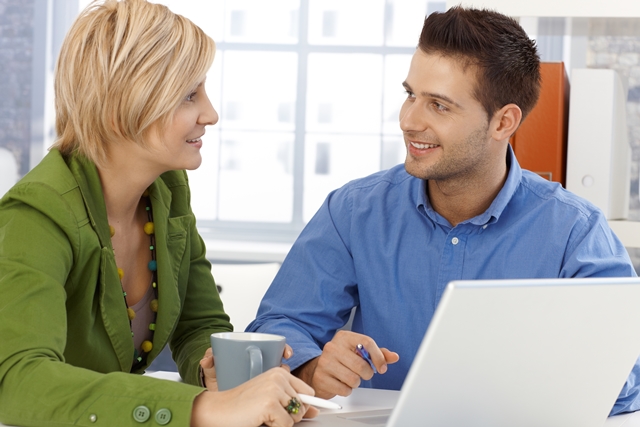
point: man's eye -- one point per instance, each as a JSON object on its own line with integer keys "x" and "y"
{"x": 439, "y": 107}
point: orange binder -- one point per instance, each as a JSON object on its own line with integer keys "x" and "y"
{"x": 540, "y": 144}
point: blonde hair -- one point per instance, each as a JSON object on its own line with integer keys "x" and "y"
{"x": 123, "y": 66}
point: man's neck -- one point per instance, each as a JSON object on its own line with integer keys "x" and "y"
{"x": 460, "y": 199}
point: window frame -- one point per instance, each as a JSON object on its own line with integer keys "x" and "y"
{"x": 252, "y": 231}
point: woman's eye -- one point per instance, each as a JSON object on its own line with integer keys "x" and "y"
{"x": 190, "y": 96}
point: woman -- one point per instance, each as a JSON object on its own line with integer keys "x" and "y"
{"x": 101, "y": 264}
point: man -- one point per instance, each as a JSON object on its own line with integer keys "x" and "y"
{"x": 460, "y": 208}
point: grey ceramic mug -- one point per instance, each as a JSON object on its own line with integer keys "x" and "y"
{"x": 240, "y": 356}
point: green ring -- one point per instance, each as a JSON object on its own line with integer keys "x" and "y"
{"x": 294, "y": 406}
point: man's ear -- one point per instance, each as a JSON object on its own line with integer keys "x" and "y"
{"x": 505, "y": 122}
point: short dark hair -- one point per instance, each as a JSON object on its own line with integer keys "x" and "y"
{"x": 506, "y": 59}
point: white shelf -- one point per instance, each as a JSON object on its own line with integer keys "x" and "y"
{"x": 559, "y": 8}
{"x": 250, "y": 252}
{"x": 627, "y": 231}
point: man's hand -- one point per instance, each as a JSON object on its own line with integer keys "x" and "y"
{"x": 339, "y": 369}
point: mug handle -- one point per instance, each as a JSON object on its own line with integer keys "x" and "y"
{"x": 255, "y": 365}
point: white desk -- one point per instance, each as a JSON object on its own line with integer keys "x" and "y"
{"x": 364, "y": 399}
{"x": 626, "y": 420}
{"x": 369, "y": 399}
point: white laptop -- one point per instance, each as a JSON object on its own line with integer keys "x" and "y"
{"x": 505, "y": 353}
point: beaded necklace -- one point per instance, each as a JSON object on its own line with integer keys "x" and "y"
{"x": 149, "y": 229}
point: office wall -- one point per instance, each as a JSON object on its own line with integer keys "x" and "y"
{"x": 615, "y": 43}
{"x": 16, "y": 43}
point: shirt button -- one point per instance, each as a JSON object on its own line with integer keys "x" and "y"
{"x": 93, "y": 418}
{"x": 163, "y": 416}
{"x": 484, "y": 226}
{"x": 455, "y": 240}
{"x": 141, "y": 414}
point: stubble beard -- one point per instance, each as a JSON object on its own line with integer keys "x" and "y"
{"x": 462, "y": 161}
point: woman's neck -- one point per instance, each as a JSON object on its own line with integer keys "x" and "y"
{"x": 123, "y": 183}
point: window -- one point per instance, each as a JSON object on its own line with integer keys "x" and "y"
{"x": 308, "y": 93}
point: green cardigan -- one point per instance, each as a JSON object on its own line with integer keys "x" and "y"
{"x": 65, "y": 343}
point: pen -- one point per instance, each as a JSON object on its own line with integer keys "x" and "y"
{"x": 317, "y": 402}
{"x": 362, "y": 352}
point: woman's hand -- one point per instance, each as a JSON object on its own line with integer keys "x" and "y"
{"x": 259, "y": 401}
{"x": 288, "y": 351}
{"x": 209, "y": 371}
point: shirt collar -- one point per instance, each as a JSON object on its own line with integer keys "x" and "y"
{"x": 492, "y": 214}
{"x": 501, "y": 201}
{"x": 88, "y": 179}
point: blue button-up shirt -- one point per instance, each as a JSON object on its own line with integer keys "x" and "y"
{"x": 377, "y": 244}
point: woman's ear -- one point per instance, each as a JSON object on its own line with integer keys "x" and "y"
{"x": 505, "y": 122}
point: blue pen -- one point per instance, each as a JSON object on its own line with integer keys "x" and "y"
{"x": 362, "y": 352}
